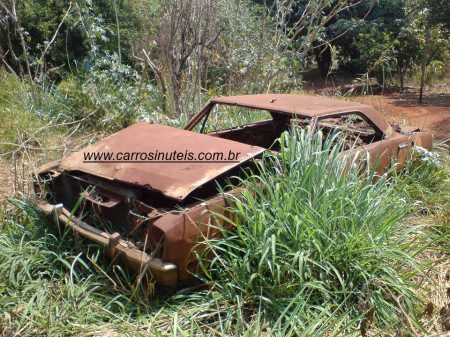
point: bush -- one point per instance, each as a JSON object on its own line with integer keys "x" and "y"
{"x": 310, "y": 233}
{"x": 425, "y": 183}
{"x": 106, "y": 95}
{"x": 436, "y": 70}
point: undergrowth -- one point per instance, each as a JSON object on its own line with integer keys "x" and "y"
{"x": 102, "y": 97}
{"x": 22, "y": 124}
{"x": 317, "y": 251}
{"x": 310, "y": 232}
{"x": 425, "y": 181}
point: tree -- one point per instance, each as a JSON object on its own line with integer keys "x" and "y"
{"x": 436, "y": 13}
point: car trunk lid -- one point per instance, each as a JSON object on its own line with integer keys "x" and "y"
{"x": 175, "y": 179}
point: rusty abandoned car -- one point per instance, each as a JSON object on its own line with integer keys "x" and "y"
{"x": 151, "y": 214}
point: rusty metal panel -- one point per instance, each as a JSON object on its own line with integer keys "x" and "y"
{"x": 175, "y": 180}
{"x": 303, "y": 105}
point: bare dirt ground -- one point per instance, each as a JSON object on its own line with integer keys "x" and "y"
{"x": 432, "y": 115}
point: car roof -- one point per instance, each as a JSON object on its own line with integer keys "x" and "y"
{"x": 307, "y": 106}
{"x": 293, "y": 104}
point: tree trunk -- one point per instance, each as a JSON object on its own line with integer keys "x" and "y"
{"x": 324, "y": 59}
{"x": 402, "y": 84}
{"x": 425, "y": 58}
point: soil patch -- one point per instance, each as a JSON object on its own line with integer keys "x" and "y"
{"x": 433, "y": 115}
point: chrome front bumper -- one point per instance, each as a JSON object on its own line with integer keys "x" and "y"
{"x": 164, "y": 273}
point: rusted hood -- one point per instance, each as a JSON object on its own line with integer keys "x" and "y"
{"x": 175, "y": 180}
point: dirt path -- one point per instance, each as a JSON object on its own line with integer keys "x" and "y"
{"x": 432, "y": 115}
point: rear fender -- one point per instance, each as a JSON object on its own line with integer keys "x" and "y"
{"x": 184, "y": 230}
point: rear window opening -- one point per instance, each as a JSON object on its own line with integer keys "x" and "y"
{"x": 354, "y": 128}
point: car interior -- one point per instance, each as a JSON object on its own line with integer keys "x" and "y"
{"x": 356, "y": 130}
{"x": 265, "y": 131}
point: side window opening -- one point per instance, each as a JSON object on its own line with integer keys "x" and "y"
{"x": 250, "y": 126}
{"x": 356, "y": 129}
{"x": 226, "y": 117}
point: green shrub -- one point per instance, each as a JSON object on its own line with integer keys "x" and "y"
{"x": 105, "y": 96}
{"x": 436, "y": 70}
{"x": 424, "y": 181}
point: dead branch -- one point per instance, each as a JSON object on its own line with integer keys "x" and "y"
{"x": 52, "y": 40}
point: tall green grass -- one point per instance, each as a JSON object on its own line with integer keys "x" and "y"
{"x": 21, "y": 123}
{"x": 424, "y": 175}
{"x": 53, "y": 284}
{"x": 312, "y": 234}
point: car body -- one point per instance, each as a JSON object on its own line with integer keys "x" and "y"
{"x": 152, "y": 214}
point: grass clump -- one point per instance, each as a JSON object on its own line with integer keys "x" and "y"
{"x": 425, "y": 181}
{"x": 42, "y": 292}
{"x": 22, "y": 125}
{"x": 53, "y": 284}
{"x": 314, "y": 233}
